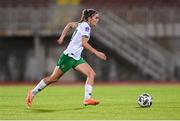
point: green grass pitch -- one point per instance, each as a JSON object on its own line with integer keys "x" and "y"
{"x": 65, "y": 102}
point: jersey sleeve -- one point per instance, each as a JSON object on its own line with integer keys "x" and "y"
{"x": 85, "y": 30}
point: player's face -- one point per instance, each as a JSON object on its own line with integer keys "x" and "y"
{"x": 94, "y": 20}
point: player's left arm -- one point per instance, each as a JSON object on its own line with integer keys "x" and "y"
{"x": 87, "y": 46}
{"x": 68, "y": 27}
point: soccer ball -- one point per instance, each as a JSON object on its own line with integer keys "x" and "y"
{"x": 145, "y": 100}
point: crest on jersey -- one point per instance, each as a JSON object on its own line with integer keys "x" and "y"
{"x": 87, "y": 29}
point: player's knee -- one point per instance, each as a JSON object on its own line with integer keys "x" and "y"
{"x": 91, "y": 74}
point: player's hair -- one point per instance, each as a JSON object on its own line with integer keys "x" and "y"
{"x": 86, "y": 13}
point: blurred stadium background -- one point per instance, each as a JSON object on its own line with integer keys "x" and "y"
{"x": 140, "y": 37}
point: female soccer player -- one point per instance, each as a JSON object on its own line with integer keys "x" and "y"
{"x": 71, "y": 57}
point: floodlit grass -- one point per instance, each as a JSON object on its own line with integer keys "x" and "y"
{"x": 65, "y": 102}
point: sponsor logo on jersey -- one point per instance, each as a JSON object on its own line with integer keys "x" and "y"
{"x": 87, "y": 29}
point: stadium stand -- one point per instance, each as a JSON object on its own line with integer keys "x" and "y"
{"x": 140, "y": 21}
{"x": 68, "y": 2}
{"x": 130, "y": 3}
{"x": 25, "y": 3}
{"x": 139, "y": 36}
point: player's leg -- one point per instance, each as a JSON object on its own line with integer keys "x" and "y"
{"x": 64, "y": 63}
{"x": 57, "y": 73}
{"x": 86, "y": 69}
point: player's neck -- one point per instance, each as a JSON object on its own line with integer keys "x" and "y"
{"x": 88, "y": 23}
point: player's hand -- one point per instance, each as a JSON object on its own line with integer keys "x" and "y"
{"x": 60, "y": 40}
{"x": 101, "y": 55}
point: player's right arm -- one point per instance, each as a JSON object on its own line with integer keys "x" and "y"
{"x": 68, "y": 27}
{"x": 87, "y": 46}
